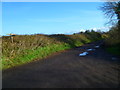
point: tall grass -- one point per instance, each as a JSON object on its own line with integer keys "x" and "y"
{"x": 27, "y": 48}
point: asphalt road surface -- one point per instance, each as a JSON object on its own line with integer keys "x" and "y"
{"x": 67, "y": 69}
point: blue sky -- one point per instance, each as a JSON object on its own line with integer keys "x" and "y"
{"x": 51, "y": 17}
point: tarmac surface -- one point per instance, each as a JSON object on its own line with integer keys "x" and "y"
{"x": 66, "y": 69}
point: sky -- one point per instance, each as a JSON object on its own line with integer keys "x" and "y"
{"x": 51, "y": 17}
{"x": 55, "y": 0}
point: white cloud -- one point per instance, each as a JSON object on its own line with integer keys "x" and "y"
{"x": 72, "y": 31}
{"x": 82, "y": 30}
{"x": 95, "y": 29}
{"x": 101, "y": 28}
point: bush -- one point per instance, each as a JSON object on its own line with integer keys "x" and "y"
{"x": 113, "y": 37}
{"x": 112, "y": 40}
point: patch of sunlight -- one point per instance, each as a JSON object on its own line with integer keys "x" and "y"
{"x": 83, "y": 54}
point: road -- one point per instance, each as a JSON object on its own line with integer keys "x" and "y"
{"x": 67, "y": 69}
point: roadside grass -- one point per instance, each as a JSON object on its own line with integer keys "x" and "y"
{"x": 32, "y": 55}
{"x": 114, "y": 50}
{"x": 27, "y": 48}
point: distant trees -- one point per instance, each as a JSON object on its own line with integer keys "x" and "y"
{"x": 112, "y": 9}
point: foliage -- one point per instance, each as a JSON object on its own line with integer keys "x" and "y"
{"x": 114, "y": 49}
{"x": 113, "y": 37}
{"x": 112, "y": 40}
{"x": 27, "y": 48}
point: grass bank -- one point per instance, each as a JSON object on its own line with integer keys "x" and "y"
{"x": 31, "y": 55}
{"x": 26, "y": 48}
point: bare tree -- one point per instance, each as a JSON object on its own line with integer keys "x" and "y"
{"x": 112, "y": 9}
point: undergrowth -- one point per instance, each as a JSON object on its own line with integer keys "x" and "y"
{"x": 27, "y": 48}
{"x": 112, "y": 40}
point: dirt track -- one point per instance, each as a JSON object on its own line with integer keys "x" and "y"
{"x": 67, "y": 70}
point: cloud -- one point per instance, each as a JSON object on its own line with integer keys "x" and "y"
{"x": 101, "y": 28}
{"x": 75, "y": 31}
{"x": 95, "y": 29}
{"x": 82, "y": 30}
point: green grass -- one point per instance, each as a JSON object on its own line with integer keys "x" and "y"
{"x": 27, "y": 48}
{"x": 114, "y": 50}
{"x": 31, "y": 55}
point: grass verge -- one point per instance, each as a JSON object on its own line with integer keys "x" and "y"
{"x": 114, "y": 50}
{"x": 31, "y": 55}
{"x": 26, "y": 48}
